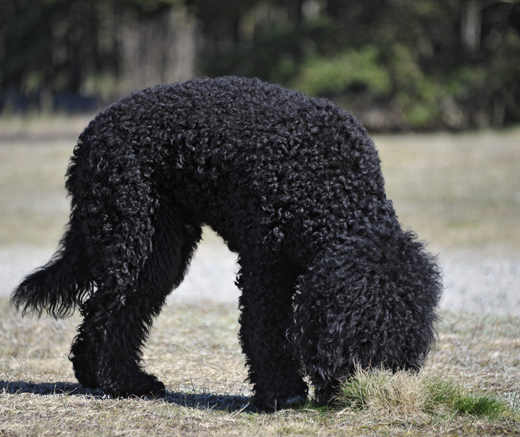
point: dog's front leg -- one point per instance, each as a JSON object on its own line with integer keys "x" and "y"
{"x": 267, "y": 313}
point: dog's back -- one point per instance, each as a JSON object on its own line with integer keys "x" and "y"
{"x": 259, "y": 163}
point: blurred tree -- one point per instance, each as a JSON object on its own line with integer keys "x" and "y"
{"x": 49, "y": 44}
{"x": 25, "y": 38}
{"x": 397, "y": 64}
{"x": 156, "y": 45}
{"x": 63, "y": 46}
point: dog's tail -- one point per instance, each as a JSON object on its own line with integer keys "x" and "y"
{"x": 58, "y": 287}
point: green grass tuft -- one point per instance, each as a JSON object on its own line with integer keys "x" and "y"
{"x": 405, "y": 395}
{"x": 482, "y": 406}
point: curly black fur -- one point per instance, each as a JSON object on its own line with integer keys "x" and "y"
{"x": 292, "y": 184}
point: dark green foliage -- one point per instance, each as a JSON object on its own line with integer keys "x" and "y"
{"x": 413, "y": 64}
{"x": 58, "y": 45}
{"x": 423, "y": 64}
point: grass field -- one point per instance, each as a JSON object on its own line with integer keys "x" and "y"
{"x": 460, "y": 192}
{"x": 194, "y": 350}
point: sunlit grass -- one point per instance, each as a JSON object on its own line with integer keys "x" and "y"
{"x": 416, "y": 397}
{"x": 457, "y": 191}
{"x": 470, "y": 381}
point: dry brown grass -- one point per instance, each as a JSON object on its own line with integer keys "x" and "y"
{"x": 418, "y": 398}
{"x": 394, "y": 396}
{"x": 35, "y": 128}
{"x": 457, "y": 191}
{"x": 194, "y": 350}
{"x": 34, "y": 154}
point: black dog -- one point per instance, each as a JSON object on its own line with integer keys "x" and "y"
{"x": 292, "y": 184}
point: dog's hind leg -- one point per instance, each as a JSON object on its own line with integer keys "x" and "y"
{"x": 267, "y": 314}
{"x": 106, "y": 352}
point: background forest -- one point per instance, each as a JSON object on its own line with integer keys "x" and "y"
{"x": 396, "y": 64}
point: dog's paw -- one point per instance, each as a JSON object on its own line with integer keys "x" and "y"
{"x": 293, "y": 402}
{"x": 278, "y": 403}
{"x": 141, "y": 384}
{"x": 156, "y": 390}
